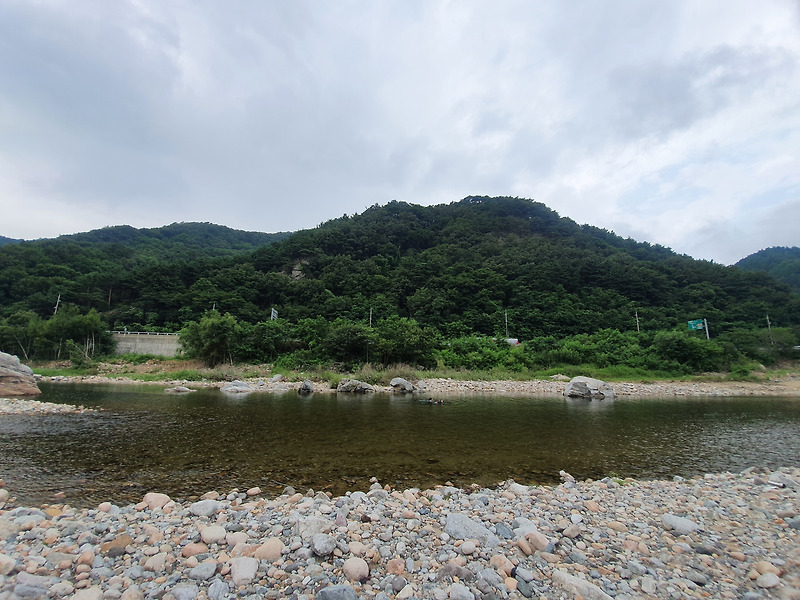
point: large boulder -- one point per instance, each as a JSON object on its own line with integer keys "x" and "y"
{"x": 402, "y": 386}
{"x": 354, "y": 386}
{"x": 16, "y": 379}
{"x": 236, "y": 387}
{"x": 589, "y": 388}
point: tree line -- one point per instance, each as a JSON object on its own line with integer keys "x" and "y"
{"x": 218, "y": 338}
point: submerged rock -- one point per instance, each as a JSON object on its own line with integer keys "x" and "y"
{"x": 179, "y": 389}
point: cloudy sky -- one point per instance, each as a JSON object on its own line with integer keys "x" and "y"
{"x": 674, "y": 122}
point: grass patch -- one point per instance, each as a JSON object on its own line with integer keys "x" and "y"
{"x": 160, "y": 369}
{"x": 64, "y": 371}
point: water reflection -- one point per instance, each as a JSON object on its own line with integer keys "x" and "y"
{"x": 144, "y": 440}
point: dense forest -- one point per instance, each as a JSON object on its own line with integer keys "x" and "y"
{"x": 780, "y": 262}
{"x": 5, "y": 240}
{"x": 400, "y": 282}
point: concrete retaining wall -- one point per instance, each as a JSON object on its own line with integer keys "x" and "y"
{"x": 133, "y": 342}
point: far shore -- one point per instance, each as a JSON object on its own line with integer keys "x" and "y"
{"x": 788, "y": 385}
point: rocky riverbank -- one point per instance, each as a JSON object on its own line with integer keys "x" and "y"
{"x": 788, "y": 385}
{"x": 718, "y": 536}
{"x": 15, "y": 406}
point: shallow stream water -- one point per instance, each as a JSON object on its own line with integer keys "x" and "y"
{"x": 142, "y": 439}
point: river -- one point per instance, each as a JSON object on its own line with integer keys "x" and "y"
{"x": 142, "y": 439}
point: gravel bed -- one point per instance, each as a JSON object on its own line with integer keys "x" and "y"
{"x": 728, "y": 535}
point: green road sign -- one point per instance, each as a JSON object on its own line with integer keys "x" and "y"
{"x": 696, "y": 324}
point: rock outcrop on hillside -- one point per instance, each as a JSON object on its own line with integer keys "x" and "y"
{"x": 16, "y": 379}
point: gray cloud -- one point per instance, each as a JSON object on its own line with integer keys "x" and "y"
{"x": 278, "y": 116}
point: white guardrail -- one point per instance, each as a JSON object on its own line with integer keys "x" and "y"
{"x": 142, "y": 333}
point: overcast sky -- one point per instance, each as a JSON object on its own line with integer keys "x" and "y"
{"x": 676, "y": 123}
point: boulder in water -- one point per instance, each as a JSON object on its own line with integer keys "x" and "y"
{"x": 589, "y": 388}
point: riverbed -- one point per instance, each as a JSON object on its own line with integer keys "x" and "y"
{"x": 128, "y": 440}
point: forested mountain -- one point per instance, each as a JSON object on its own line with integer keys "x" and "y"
{"x": 781, "y": 262}
{"x": 177, "y": 241}
{"x": 5, "y": 240}
{"x": 481, "y": 266}
{"x": 461, "y": 267}
{"x": 105, "y": 268}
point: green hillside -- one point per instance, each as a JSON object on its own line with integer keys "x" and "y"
{"x": 780, "y": 262}
{"x": 408, "y": 283}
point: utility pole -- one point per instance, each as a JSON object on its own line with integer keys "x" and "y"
{"x": 58, "y": 301}
{"x": 506, "y": 324}
{"x": 708, "y": 335}
{"x": 637, "y": 321}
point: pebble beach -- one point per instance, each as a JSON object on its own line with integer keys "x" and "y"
{"x": 728, "y": 535}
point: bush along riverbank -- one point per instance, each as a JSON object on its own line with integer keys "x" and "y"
{"x": 717, "y": 536}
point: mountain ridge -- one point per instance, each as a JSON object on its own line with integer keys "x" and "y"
{"x": 463, "y": 267}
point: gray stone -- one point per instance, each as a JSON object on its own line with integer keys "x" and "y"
{"x": 523, "y": 574}
{"x": 576, "y": 585}
{"x": 680, "y": 524}
{"x": 401, "y": 385}
{"x": 461, "y": 527}
{"x": 40, "y": 581}
{"x": 305, "y": 388}
{"x": 92, "y": 593}
{"x": 236, "y": 387}
{"x": 490, "y": 575}
{"x": 578, "y": 557}
{"x": 60, "y": 589}
{"x": 768, "y": 580}
{"x": 453, "y": 570}
{"x": 398, "y": 583}
{"x": 696, "y": 577}
{"x": 353, "y": 386}
{"x": 203, "y": 571}
{"x": 337, "y": 592}
{"x": 7, "y": 564}
{"x": 29, "y": 591}
{"x": 648, "y": 585}
{"x": 243, "y": 570}
{"x": 794, "y": 523}
{"x": 218, "y": 590}
{"x": 524, "y": 588}
{"x": 503, "y": 531}
{"x": 185, "y": 591}
{"x": 310, "y": 526}
{"x": 323, "y": 544}
{"x": 459, "y": 591}
{"x": 589, "y": 388}
{"x": 16, "y": 379}
{"x": 379, "y": 494}
{"x": 204, "y": 508}
{"x": 637, "y": 568}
